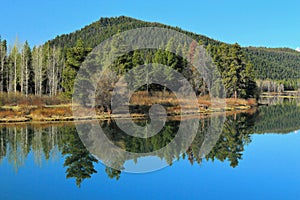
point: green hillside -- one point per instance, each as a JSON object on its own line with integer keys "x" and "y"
{"x": 104, "y": 28}
{"x": 269, "y": 63}
{"x": 274, "y": 63}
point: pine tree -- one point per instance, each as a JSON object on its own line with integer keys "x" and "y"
{"x": 237, "y": 73}
{"x": 75, "y": 57}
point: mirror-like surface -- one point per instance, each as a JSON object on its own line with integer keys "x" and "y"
{"x": 255, "y": 156}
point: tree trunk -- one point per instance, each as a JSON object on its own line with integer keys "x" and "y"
{"x": 15, "y": 73}
{"x": 22, "y": 71}
{"x": 2, "y": 66}
{"x": 26, "y": 77}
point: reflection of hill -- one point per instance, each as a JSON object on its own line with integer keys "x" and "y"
{"x": 280, "y": 118}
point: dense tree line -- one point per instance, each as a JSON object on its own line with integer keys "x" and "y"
{"x": 49, "y": 70}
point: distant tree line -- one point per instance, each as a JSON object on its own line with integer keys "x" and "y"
{"x": 276, "y": 66}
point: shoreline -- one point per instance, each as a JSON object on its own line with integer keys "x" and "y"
{"x": 63, "y": 113}
{"x": 141, "y": 117}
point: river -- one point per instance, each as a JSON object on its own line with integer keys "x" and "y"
{"x": 251, "y": 155}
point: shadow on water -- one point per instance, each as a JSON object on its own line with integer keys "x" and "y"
{"x": 50, "y": 140}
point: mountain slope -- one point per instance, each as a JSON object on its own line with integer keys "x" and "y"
{"x": 104, "y": 28}
{"x": 269, "y": 63}
{"x": 274, "y": 63}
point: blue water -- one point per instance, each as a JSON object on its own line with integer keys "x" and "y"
{"x": 269, "y": 169}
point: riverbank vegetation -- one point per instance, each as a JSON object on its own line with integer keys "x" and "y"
{"x": 21, "y": 108}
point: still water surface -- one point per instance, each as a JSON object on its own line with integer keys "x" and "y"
{"x": 256, "y": 156}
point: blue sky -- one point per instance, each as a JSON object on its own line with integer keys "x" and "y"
{"x": 268, "y": 23}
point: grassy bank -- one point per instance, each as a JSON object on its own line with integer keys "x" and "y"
{"x": 18, "y": 108}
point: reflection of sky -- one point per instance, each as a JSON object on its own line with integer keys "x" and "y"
{"x": 145, "y": 164}
{"x": 269, "y": 170}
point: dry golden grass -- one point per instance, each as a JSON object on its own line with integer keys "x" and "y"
{"x": 145, "y": 98}
{"x": 51, "y": 112}
{"x": 8, "y": 113}
{"x": 246, "y": 102}
{"x": 54, "y": 109}
{"x": 14, "y": 99}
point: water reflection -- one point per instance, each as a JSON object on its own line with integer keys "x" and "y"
{"x": 49, "y": 141}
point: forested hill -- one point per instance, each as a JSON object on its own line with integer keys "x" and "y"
{"x": 274, "y": 63}
{"x": 269, "y": 63}
{"x": 104, "y": 28}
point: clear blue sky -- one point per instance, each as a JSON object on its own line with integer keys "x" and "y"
{"x": 269, "y": 23}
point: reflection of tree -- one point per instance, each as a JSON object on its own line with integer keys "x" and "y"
{"x": 37, "y": 146}
{"x": 225, "y": 144}
{"x": 280, "y": 118}
{"x": 113, "y": 173}
{"x": 235, "y": 135}
{"x": 140, "y": 145}
{"x": 79, "y": 162}
{"x": 46, "y": 142}
{"x": 3, "y": 143}
{"x": 193, "y": 151}
{"x": 17, "y": 147}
